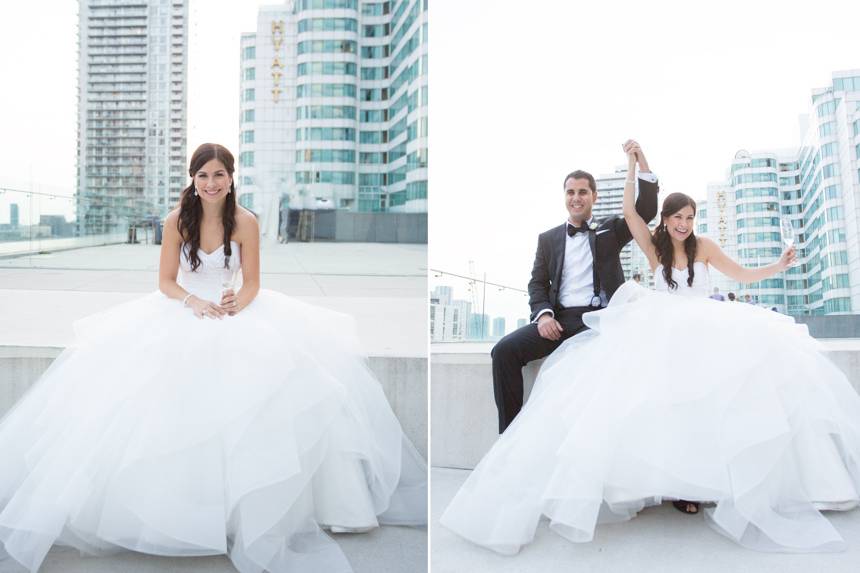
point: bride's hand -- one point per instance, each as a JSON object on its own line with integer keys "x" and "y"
{"x": 203, "y": 308}
{"x": 230, "y": 302}
{"x": 788, "y": 257}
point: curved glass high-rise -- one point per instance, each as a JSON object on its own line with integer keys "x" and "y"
{"x": 334, "y": 107}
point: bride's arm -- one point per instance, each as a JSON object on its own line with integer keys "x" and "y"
{"x": 248, "y": 233}
{"x": 714, "y": 255}
{"x": 168, "y": 263}
{"x": 635, "y": 222}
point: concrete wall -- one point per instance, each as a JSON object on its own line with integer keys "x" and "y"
{"x": 403, "y": 379}
{"x": 463, "y": 409}
{"x": 832, "y": 326}
{"x": 348, "y": 226}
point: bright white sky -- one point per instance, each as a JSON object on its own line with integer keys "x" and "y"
{"x": 522, "y": 93}
{"x": 38, "y": 102}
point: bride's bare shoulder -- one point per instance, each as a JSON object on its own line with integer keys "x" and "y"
{"x": 246, "y": 222}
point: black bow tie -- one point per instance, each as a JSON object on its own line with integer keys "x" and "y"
{"x": 571, "y": 230}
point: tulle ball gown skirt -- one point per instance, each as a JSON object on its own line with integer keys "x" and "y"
{"x": 669, "y": 397}
{"x": 166, "y": 434}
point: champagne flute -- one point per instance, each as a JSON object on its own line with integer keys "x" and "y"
{"x": 786, "y": 229}
{"x": 228, "y": 281}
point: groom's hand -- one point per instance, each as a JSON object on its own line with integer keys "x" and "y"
{"x": 549, "y": 328}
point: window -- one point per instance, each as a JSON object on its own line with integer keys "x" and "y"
{"x": 377, "y": 157}
{"x": 248, "y": 136}
{"x": 249, "y": 116}
{"x": 827, "y": 108}
{"x": 377, "y": 73}
{"x": 375, "y": 9}
{"x": 250, "y": 53}
{"x": 325, "y": 156}
{"x": 246, "y": 159}
{"x": 374, "y": 51}
{"x": 372, "y": 137}
{"x": 830, "y": 170}
{"x": 250, "y": 73}
{"x": 375, "y": 31}
{"x": 826, "y": 129}
{"x": 335, "y": 177}
{"x": 328, "y": 47}
{"x": 249, "y": 94}
{"x": 326, "y": 112}
{"x": 326, "y": 90}
{"x": 325, "y": 134}
{"x": 327, "y": 68}
{"x": 373, "y": 115}
{"x": 328, "y": 25}
{"x": 327, "y": 4}
{"x": 416, "y": 190}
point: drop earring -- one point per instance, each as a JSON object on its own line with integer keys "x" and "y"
{"x": 195, "y": 191}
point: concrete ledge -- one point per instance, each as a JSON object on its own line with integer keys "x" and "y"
{"x": 463, "y": 409}
{"x": 403, "y": 379}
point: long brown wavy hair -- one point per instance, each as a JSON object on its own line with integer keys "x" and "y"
{"x": 191, "y": 211}
{"x": 673, "y": 203}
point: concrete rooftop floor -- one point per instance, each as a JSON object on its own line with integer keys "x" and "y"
{"x": 658, "y": 539}
{"x": 383, "y": 285}
{"x": 387, "y": 549}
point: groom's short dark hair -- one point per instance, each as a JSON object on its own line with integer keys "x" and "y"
{"x": 580, "y": 174}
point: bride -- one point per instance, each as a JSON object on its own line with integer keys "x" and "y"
{"x": 210, "y": 417}
{"x": 674, "y": 396}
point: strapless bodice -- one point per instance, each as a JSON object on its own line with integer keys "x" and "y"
{"x": 701, "y": 280}
{"x": 209, "y": 278}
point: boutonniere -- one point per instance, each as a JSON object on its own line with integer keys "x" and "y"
{"x": 593, "y": 226}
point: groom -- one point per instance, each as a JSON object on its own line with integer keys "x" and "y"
{"x": 576, "y": 270}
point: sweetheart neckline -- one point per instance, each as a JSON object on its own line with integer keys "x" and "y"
{"x": 687, "y": 267}
{"x": 221, "y": 246}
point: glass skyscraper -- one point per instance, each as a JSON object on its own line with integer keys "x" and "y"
{"x": 131, "y": 111}
{"x": 334, "y": 107}
{"x": 816, "y": 188}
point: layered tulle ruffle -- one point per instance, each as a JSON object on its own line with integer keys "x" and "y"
{"x": 163, "y": 433}
{"x": 671, "y": 397}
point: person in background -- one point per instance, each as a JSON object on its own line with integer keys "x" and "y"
{"x": 717, "y": 295}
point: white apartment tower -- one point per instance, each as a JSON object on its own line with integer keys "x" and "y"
{"x": 132, "y": 70}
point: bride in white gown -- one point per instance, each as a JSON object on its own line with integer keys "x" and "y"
{"x": 242, "y": 424}
{"x": 671, "y": 395}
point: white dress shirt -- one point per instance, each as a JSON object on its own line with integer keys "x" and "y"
{"x": 577, "y": 278}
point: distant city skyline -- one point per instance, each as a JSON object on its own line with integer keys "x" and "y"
{"x": 39, "y": 117}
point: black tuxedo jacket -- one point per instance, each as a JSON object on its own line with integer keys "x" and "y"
{"x": 606, "y": 244}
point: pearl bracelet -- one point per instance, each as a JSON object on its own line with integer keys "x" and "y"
{"x": 185, "y": 300}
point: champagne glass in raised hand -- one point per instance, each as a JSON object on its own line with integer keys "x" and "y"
{"x": 786, "y": 230}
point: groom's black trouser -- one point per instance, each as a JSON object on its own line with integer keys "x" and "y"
{"x": 519, "y": 348}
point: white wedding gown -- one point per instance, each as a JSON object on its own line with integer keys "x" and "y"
{"x": 675, "y": 397}
{"x": 163, "y": 433}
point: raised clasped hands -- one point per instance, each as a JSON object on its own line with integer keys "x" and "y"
{"x": 634, "y": 153}
{"x": 549, "y": 328}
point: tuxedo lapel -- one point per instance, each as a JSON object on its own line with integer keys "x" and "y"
{"x": 559, "y": 242}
